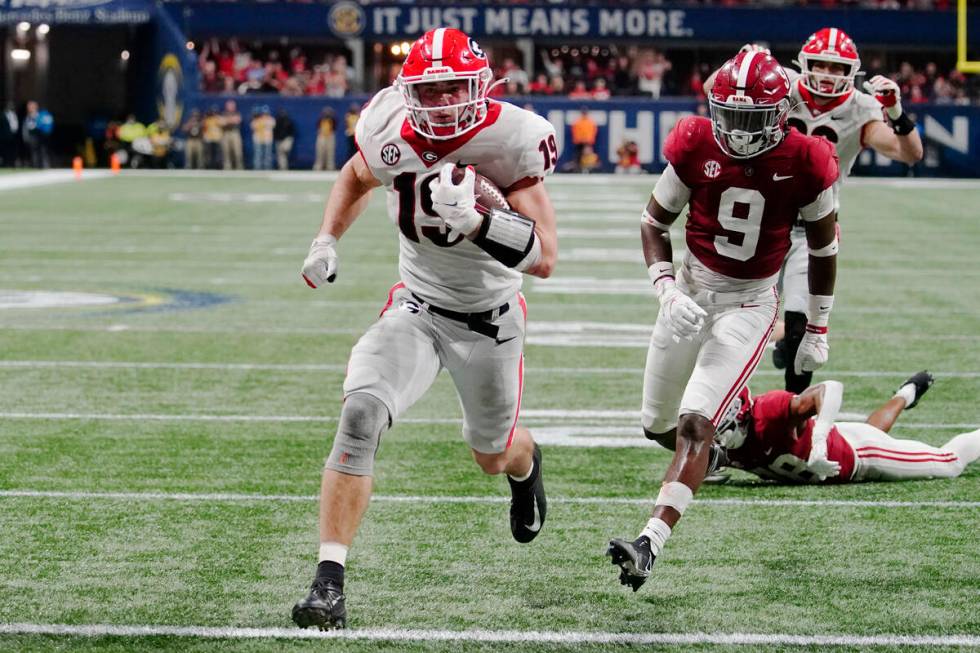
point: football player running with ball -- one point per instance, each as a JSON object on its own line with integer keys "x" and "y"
{"x": 744, "y": 177}
{"x": 797, "y": 438}
{"x": 825, "y": 103}
{"x": 458, "y": 305}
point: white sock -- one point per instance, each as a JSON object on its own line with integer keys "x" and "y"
{"x": 907, "y": 392}
{"x": 334, "y": 552}
{"x": 657, "y": 531}
{"x": 521, "y": 479}
{"x": 966, "y": 446}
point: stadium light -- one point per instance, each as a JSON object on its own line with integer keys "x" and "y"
{"x": 396, "y": 49}
{"x": 406, "y": 46}
{"x": 124, "y": 55}
{"x": 190, "y": 45}
{"x": 23, "y": 27}
{"x": 43, "y": 29}
{"x": 20, "y": 54}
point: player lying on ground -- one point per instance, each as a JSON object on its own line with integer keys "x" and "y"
{"x": 796, "y": 438}
{"x": 825, "y": 103}
{"x": 744, "y": 177}
{"x": 458, "y": 305}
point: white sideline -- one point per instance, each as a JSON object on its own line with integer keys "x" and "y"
{"x": 327, "y": 367}
{"x": 490, "y": 636}
{"x": 232, "y": 497}
{"x": 527, "y": 416}
{"x": 21, "y": 180}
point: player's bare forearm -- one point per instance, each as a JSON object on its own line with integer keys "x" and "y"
{"x": 805, "y": 405}
{"x": 656, "y": 241}
{"x": 883, "y": 140}
{"x": 535, "y": 203}
{"x": 348, "y": 197}
{"x": 822, "y": 272}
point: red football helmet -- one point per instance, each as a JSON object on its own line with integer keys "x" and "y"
{"x": 733, "y": 427}
{"x": 831, "y": 46}
{"x": 748, "y": 104}
{"x": 437, "y": 108}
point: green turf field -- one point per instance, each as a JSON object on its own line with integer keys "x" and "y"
{"x": 161, "y": 445}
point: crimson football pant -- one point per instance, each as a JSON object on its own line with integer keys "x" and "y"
{"x": 703, "y": 376}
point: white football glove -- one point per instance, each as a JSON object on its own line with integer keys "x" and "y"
{"x": 818, "y": 463}
{"x": 320, "y": 265}
{"x": 456, "y": 203}
{"x": 682, "y": 314}
{"x": 887, "y": 92}
{"x": 813, "y": 351}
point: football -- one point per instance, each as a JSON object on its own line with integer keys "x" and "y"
{"x": 488, "y": 194}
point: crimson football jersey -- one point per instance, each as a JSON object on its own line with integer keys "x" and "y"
{"x": 774, "y": 449}
{"x": 742, "y": 211}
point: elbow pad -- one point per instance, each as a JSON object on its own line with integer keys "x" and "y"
{"x": 508, "y": 237}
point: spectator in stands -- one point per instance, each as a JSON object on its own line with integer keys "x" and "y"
{"x": 350, "y": 123}
{"x": 9, "y": 133}
{"x": 589, "y": 160}
{"x": 652, "y": 68}
{"x": 599, "y": 91}
{"x": 326, "y": 141}
{"x": 584, "y": 133}
{"x": 160, "y": 141}
{"x": 263, "y": 125}
{"x": 284, "y": 134}
{"x": 36, "y": 134}
{"x": 540, "y": 85}
{"x": 580, "y": 92}
{"x": 211, "y": 82}
{"x": 515, "y": 73}
{"x": 628, "y": 158}
{"x": 212, "y": 138}
{"x": 624, "y": 82}
{"x": 193, "y": 131}
{"x": 231, "y": 137}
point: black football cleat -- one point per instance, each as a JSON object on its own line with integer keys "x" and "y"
{"x": 528, "y": 504}
{"x": 634, "y": 559}
{"x": 323, "y": 607}
{"x": 921, "y": 380}
{"x": 779, "y": 355}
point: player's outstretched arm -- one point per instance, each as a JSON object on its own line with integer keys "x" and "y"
{"x": 823, "y": 401}
{"x": 348, "y": 198}
{"x": 901, "y": 141}
{"x": 535, "y": 203}
{"x": 821, "y": 236}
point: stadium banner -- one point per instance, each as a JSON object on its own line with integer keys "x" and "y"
{"x": 550, "y": 23}
{"x": 77, "y": 12}
{"x": 951, "y": 134}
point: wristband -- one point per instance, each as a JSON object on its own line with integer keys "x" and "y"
{"x": 818, "y": 315}
{"x": 660, "y": 273}
{"x": 903, "y": 125}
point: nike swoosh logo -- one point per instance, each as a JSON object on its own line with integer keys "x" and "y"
{"x": 447, "y": 204}
{"x": 824, "y": 308}
{"x": 776, "y": 177}
{"x": 535, "y": 526}
{"x": 500, "y": 342}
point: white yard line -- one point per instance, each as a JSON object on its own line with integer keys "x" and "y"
{"x": 233, "y": 497}
{"x": 489, "y": 636}
{"x": 529, "y": 417}
{"x": 311, "y": 367}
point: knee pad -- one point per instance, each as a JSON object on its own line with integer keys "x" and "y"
{"x": 362, "y": 421}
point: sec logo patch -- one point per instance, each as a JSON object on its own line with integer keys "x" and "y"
{"x": 390, "y": 154}
{"x": 712, "y": 169}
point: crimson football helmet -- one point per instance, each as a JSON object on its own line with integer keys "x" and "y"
{"x": 733, "y": 426}
{"x": 445, "y": 55}
{"x": 749, "y": 103}
{"x": 834, "y": 46}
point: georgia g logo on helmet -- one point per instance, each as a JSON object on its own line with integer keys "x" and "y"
{"x": 749, "y": 103}
{"x": 444, "y": 82}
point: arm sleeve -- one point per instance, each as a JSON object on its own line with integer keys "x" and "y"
{"x": 820, "y": 169}
{"x": 670, "y": 192}
{"x": 819, "y": 207}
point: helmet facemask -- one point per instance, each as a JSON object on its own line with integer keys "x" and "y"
{"x": 744, "y": 130}
{"x": 843, "y": 83}
{"x": 456, "y": 112}
{"x": 733, "y": 425}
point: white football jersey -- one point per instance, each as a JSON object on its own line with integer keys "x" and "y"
{"x": 842, "y": 124}
{"x": 513, "y": 147}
